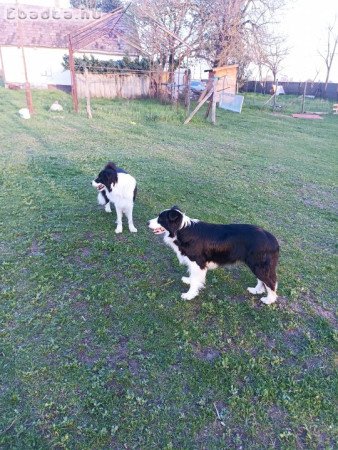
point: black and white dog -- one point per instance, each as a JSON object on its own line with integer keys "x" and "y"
{"x": 116, "y": 186}
{"x": 202, "y": 246}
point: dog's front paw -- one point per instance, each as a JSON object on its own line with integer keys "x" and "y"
{"x": 132, "y": 229}
{"x": 118, "y": 230}
{"x": 188, "y": 295}
{"x": 186, "y": 280}
{"x": 268, "y": 300}
{"x": 255, "y": 291}
{"x": 107, "y": 208}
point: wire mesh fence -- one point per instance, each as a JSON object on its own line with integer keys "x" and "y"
{"x": 293, "y": 97}
{"x": 289, "y": 104}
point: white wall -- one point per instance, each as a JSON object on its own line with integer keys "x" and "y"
{"x": 47, "y": 3}
{"x": 44, "y": 65}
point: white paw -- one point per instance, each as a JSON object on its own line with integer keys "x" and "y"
{"x": 188, "y": 295}
{"x": 107, "y": 208}
{"x": 268, "y": 300}
{"x": 186, "y": 280}
{"x": 118, "y": 230}
{"x": 255, "y": 291}
{"x": 132, "y": 229}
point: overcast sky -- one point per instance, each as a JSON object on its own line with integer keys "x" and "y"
{"x": 304, "y": 23}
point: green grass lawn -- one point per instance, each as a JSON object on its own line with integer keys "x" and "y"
{"x": 98, "y": 351}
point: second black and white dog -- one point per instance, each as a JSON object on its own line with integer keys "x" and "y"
{"x": 116, "y": 186}
{"x": 202, "y": 246}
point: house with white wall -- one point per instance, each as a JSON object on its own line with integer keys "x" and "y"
{"x": 37, "y": 37}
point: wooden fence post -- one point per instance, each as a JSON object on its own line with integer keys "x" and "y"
{"x": 89, "y": 111}
{"x": 187, "y": 78}
{"x": 213, "y": 105}
{"x": 73, "y": 75}
{"x": 187, "y": 120}
{"x": 303, "y": 99}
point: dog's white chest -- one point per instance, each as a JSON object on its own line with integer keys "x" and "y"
{"x": 170, "y": 242}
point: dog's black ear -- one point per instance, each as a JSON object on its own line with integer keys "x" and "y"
{"x": 176, "y": 207}
{"x": 174, "y": 215}
{"x": 110, "y": 172}
{"x": 112, "y": 178}
{"x": 111, "y": 165}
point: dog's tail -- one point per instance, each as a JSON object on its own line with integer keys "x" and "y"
{"x": 111, "y": 165}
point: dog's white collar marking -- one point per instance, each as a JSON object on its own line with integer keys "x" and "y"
{"x": 186, "y": 221}
{"x": 158, "y": 229}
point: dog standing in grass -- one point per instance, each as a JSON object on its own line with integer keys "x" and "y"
{"x": 116, "y": 186}
{"x": 202, "y": 246}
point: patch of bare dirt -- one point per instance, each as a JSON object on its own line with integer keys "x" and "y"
{"x": 36, "y": 249}
{"x": 323, "y": 198}
{"x": 276, "y": 168}
{"x": 330, "y": 316}
{"x": 277, "y": 415}
{"x": 309, "y": 301}
{"x": 208, "y": 354}
{"x": 212, "y": 432}
{"x": 56, "y": 236}
{"x": 295, "y": 340}
{"x": 75, "y": 293}
{"x": 306, "y": 302}
{"x": 120, "y": 356}
{"x": 89, "y": 236}
{"x": 316, "y": 362}
{"x": 119, "y": 353}
{"x": 242, "y": 299}
{"x": 80, "y": 307}
{"x": 87, "y": 352}
{"x": 235, "y": 271}
{"x": 134, "y": 367}
{"x": 85, "y": 252}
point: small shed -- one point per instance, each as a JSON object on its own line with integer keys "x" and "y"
{"x": 227, "y": 79}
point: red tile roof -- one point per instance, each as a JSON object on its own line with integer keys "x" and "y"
{"x": 36, "y": 26}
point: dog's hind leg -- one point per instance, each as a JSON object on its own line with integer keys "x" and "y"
{"x": 197, "y": 281}
{"x": 118, "y": 229}
{"x": 266, "y": 274}
{"x": 129, "y": 214}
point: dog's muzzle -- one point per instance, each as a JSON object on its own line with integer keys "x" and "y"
{"x": 98, "y": 186}
{"x": 156, "y": 227}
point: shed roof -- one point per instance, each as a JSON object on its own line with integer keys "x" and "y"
{"x": 36, "y": 26}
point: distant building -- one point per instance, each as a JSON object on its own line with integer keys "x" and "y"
{"x": 42, "y": 33}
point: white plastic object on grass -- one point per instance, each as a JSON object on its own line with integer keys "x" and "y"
{"x": 24, "y": 113}
{"x": 56, "y": 107}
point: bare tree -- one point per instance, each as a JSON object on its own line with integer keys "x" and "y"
{"x": 273, "y": 55}
{"x": 102, "y": 5}
{"x": 219, "y": 31}
{"x": 235, "y": 26}
{"x": 169, "y": 29}
{"x": 330, "y": 50}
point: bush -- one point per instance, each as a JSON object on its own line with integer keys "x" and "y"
{"x": 95, "y": 65}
